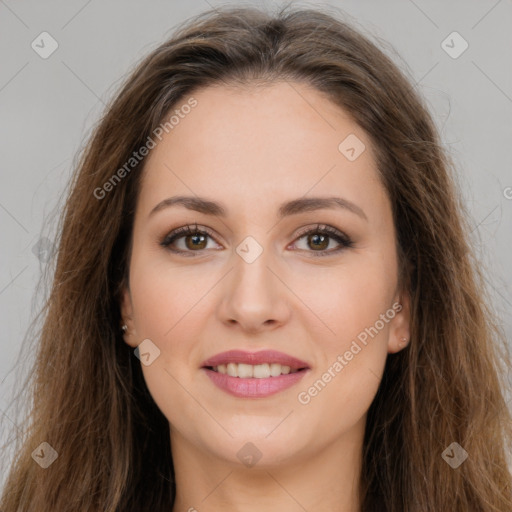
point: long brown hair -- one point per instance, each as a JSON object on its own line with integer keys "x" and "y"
{"x": 89, "y": 398}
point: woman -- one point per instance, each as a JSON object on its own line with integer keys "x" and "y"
{"x": 264, "y": 296}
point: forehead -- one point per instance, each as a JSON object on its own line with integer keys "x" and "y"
{"x": 246, "y": 145}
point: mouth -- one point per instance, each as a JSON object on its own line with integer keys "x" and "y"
{"x": 254, "y": 375}
{"x": 258, "y": 371}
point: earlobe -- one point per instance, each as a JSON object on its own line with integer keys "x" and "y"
{"x": 128, "y": 325}
{"x": 400, "y": 332}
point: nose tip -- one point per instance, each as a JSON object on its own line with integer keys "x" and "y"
{"x": 253, "y": 298}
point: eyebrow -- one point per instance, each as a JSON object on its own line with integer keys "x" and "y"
{"x": 293, "y": 207}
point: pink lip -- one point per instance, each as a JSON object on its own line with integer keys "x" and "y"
{"x": 254, "y": 388}
{"x": 264, "y": 356}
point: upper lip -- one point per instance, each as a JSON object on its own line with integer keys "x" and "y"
{"x": 253, "y": 358}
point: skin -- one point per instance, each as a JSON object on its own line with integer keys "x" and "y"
{"x": 252, "y": 149}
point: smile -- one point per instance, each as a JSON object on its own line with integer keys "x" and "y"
{"x": 254, "y": 375}
{"x": 258, "y": 371}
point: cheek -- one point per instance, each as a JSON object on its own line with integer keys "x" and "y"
{"x": 164, "y": 296}
{"x": 344, "y": 383}
{"x": 334, "y": 402}
{"x": 168, "y": 311}
{"x": 171, "y": 308}
{"x": 355, "y": 302}
{"x": 346, "y": 299}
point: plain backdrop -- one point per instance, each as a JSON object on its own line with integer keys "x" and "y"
{"x": 48, "y": 106}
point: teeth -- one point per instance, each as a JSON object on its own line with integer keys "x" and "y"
{"x": 233, "y": 370}
{"x": 262, "y": 371}
{"x": 275, "y": 369}
{"x": 245, "y": 371}
{"x": 258, "y": 371}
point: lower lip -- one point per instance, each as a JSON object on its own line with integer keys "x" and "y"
{"x": 254, "y": 388}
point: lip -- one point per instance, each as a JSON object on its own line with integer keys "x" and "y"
{"x": 253, "y": 358}
{"x": 252, "y": 387}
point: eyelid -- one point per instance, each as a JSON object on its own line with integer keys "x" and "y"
{"x": 319, "y": 227}
{"x": 182, "y": 231}
{"x": 334, "y": 233}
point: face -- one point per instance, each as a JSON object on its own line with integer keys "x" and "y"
{"x": 305, "y": 292}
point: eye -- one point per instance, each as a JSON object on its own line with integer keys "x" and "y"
{"x": 320, "y": 236}
{"x": 194, "y": 238}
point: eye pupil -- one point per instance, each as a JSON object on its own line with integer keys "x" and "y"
{"x": 316, "y": 237}
{"x": 194, "y": 244}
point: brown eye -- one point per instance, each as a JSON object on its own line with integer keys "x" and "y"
{"x": 195, "y": 240}
{"x": 318, "y": 241}
{"x": 319, "y": 238}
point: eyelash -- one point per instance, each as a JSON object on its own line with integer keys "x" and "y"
{"x": 322, "y": 229}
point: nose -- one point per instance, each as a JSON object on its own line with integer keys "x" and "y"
{"x": 254, "y": 296}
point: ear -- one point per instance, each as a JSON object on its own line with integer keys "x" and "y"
{"x": 400, "y": 331}
{"x": 130, "y": 334}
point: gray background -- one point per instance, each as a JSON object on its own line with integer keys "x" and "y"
{"x": 48, "y": 107}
